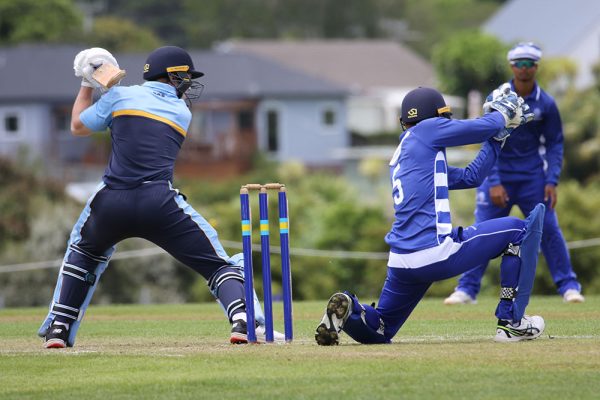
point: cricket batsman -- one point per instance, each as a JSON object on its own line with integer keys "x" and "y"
{"x": 148, "y": 125}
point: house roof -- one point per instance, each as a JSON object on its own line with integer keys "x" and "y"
{"x": 355, "y": 64}
{"x": 45, "y": 72}
{"x": 556, "y": 26}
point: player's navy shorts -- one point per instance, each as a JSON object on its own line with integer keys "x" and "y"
{"x": 153, "y": 211}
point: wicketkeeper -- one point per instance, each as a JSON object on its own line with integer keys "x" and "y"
{"x": 424, "y": 245}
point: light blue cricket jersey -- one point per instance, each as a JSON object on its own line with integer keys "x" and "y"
{"x": 421, "y": 177}
{"x": 148, "y": 124}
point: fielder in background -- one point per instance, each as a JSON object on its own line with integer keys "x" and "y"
{"x": 521, "y": 178}
{"x": 148, "y": 124}
{"x": 424, "y": 246}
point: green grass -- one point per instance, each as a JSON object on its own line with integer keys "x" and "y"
{"x": 181, "y": 351}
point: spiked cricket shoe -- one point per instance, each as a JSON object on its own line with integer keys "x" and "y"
{"x": 56, "y": 338}
{"x": 531, "y": 327}
{"x": 338, "y": 310}
{"x": 239, "y": 333}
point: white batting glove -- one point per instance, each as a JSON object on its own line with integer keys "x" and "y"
{"x": 96, "y": 56}
{"x": 87, "y": 61}
{"x": 78, "y": 65}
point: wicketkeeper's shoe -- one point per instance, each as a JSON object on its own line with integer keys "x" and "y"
{"x": 338, "y": 310}
{"x": 573, "y": 296}
{"x": 57, "y": 336}
{"x": 530, "y": 328}
{"x": 459, "y": 297}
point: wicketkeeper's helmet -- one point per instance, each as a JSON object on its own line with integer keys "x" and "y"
{"x": 423, "y": 103}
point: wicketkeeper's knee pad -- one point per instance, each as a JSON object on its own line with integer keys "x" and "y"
{"x": 364, "y": 324}
{"x": 86, "y": 269}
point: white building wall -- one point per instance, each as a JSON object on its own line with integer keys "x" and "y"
{"x": 31, "y": 138}
{"x": 303, "y": 136}
{"x": 586, "y": 53}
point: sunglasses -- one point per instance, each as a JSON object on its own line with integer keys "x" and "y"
{"x": 523, "y": 63}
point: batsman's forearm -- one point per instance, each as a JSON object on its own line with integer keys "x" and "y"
{"x": 84, "y": 100}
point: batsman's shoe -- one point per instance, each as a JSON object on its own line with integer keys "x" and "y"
{"x": 573, "y": 296}
{"x": 239, "y": 333}
{"x": 261, "y": 335}
{"x": 338, "y": 311}
{"x": 56, "y": 338}
{"x": 531, "y": 327}
{"x": 459, "y": 297}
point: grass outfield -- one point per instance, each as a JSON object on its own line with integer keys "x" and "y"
{"x": 181, "y": 351}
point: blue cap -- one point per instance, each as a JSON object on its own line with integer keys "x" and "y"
{"x": 525, "y": 50}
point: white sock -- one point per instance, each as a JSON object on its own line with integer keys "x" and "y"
{"x": 62, "y": 323}
{"x": 238, "y": 316}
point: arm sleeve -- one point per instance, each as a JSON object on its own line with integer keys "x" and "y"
{"x": 451, "y": 133}
{"x": 98, "y": 116}
{"x": 494, "y": 176}
{"x": 477, "y": 170}
{"x": 553, "y": 135}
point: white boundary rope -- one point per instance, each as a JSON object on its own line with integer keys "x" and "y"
{"x": 337, "y": 254}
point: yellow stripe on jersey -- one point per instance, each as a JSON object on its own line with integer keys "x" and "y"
{"x": 139, "y": 113}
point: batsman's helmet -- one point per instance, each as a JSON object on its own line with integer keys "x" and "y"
{"x": 169, "y": 59}
{"x": 423, "y": 103}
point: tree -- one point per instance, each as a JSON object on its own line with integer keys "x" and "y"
{"x": 470, "y": 61}
{"x": 39, "y": 21}
{"x": 118, "y": 34}
{"x": 581, "y": 124}
{"x": 426, "y": 22}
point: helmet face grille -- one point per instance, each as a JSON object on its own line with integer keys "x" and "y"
{"x": 185, "y": 86}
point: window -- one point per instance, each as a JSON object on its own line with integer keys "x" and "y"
{"x": 245, "y": 119}
{"x": 62, "y": 120}
{"x": 197, "y": 129}
{"x": 11, "y": 124}
{"x": 329, "y": 117}
{"x": 272, "y": 131}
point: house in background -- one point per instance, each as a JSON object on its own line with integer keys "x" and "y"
{"x": 377, "y": 73}
{"x": 249, "y": 104}
{"x": 561, "y": 28}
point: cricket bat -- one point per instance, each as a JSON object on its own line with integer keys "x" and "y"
{"x": 107, "y": 75}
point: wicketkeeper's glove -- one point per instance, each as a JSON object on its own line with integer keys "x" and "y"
{"x": 512, "y": 107}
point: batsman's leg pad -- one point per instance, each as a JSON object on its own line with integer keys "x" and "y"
{"x": 227, "y": 285}
{"x": 238, "y": 262}
{"x": 529, "y": 249}
{"x": 364, "y": 324}
{"x": 77, "y": 264}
